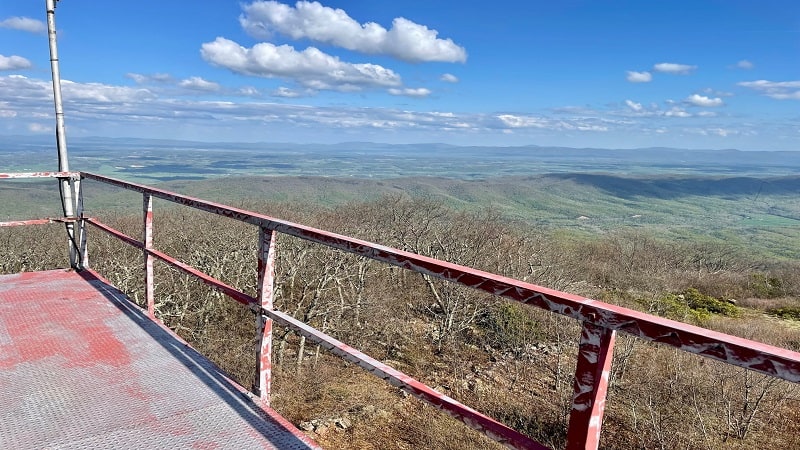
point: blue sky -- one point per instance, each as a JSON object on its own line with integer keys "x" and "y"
{"x": 615, "y": 74}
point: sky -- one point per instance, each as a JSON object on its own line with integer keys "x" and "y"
{"x": 608, "y": 74}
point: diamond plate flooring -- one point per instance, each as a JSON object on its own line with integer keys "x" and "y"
{"x": 81, "y": 367}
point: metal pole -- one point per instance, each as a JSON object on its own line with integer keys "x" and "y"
{"x": 66, "y": 185}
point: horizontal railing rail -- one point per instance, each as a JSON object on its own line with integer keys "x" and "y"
{"x": 46, "y": 221}
{"x": 70, "y": 185}
{"x": 600, "y": 320}
{"x": 764, "y": 358}
{"x": 21, "y": 175}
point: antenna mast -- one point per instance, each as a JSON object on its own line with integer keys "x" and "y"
{"x": 66, "y": 185}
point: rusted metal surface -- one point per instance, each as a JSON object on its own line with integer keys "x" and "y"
{"x": 740, "y": 352}
{"x": 82, "y": 367}
{"x": 19, "y": 223}
{"x": 265, "y": 297}
{"x": 147, "y": 239}
{"x": 592, "y": 372}
{"x": 40, "y": 175}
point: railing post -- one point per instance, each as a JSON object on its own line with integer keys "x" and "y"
{"x": 83, "y": 246}
{"x": 265, "y": 296}
{"x": 149, "y": 285}
{"x": 593, "y": 369}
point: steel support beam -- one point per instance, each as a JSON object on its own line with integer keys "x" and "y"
{"x": 595, "y": 353}
{"x": 147, "y": 239}
{"x": 265, "y": 297}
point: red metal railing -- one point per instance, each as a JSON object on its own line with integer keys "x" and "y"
{"x": 600, "y": 320}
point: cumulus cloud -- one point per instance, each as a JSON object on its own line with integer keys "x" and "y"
{"x": 310, "y": 67}
{"x": 677, "y": 112}
{"x": 157, "y": 112}
{"x": 199, "y": 84}
{"x": 675, "y": 69}
{"x": 248, "y": 91}
{"x": 639, "y": 77}
{"x": 449, "y": 78}
{"x": 637, "y": 107}
{"x": 410, "y": 92}
{"x": 779, "y": 90}
{"x": 702, "y": 100}
{"x": 745, "y": 64}
{"x": 517, "y": 121}
{"x": 103, "y": 93}
{"x": 405, "y": 40}
{"x": 14, "y": 62}
{"x": 24, "y": 24}
{"x": 286, "y": 93}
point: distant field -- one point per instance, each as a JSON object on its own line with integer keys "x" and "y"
{"x": 749, "y": 199}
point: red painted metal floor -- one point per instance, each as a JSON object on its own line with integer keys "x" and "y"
{"x": 81, "y": 367}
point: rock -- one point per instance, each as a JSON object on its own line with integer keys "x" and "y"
{"x": 477, "y": 386}
{"x": 343, "y": 423}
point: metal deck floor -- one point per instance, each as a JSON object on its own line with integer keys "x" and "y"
{"x": 81, "y": 367}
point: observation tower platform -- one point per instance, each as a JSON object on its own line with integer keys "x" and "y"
{"x": 81, "y": 366}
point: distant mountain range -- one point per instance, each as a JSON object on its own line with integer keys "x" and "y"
{"x": 166, "y": 159}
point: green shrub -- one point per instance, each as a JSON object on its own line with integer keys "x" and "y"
{"x": 788, "y": 312}
{"x": 692, "y": 306}
{"x": 701, "y": 302}
{"x": 510, "y": 326}
{"x": 766, "y": 287}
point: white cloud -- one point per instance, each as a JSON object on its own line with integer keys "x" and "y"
{"x": 14, "y": 62}
{"x": 199, "y": 84}
{"x": 248, "y": 91}
{"x": 24, "y": 24}
{"x": 516, "y": 121}
{"x": 118, "y": 110}
{"x": 637, "y": 107}
{"x": 310, "y": 67}
{"x": 406, "y": 40}
{"x": 449, "y": 78}
{"x": 745, "y": 64}
{"x": 410, "y": 92}
{"x": 677, "y": 112}
{"x": 675, "y": 69}
{"x": 103, "y": 93}
{"x": 39, "y": 128}
{"x": 286, "y": 92}
{"x": 702, "y": 100}
{"x": 639, "y": 77}
{"x": 156, "y": 77}
{"x": 779, "y": 90}
{"x": 717, "y": 93}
